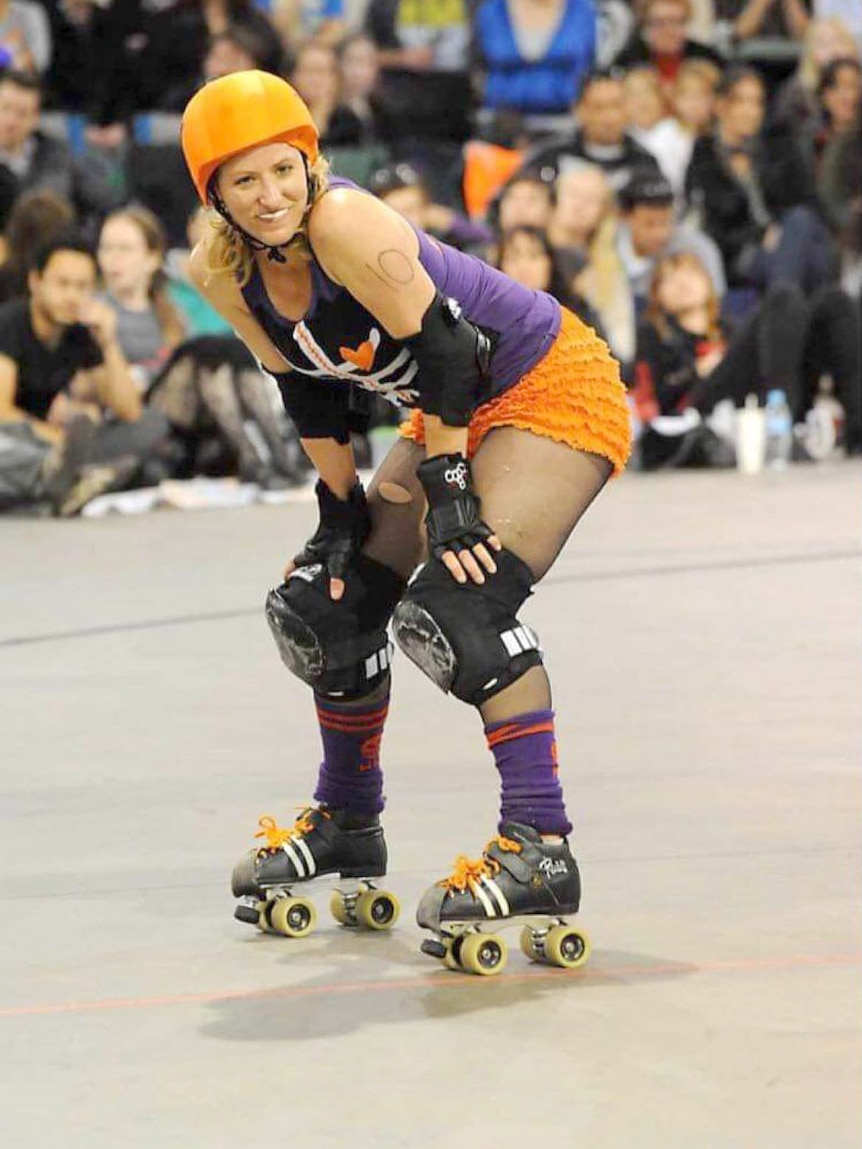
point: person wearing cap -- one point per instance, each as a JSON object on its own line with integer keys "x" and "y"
{"x": 517, "y": 420}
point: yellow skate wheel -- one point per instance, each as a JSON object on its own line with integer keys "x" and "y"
{"x": 567, "y": 947}
{"x": 484, "y": 954}
{"x": 377, "y": 910}
{"x": 338, "y": 909}
{"x": 293, "y": 917}
{"x": 527, "y": 947}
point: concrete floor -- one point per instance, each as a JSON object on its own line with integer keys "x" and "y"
{"x": 703, "y": 633}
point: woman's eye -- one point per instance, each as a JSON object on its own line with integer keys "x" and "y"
{"x": 284, "y": 169}
{"x": 242, "y": 181}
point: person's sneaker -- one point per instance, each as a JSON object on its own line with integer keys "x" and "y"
{"x": 64, "y": 464}
{"x": 96, "y": 479}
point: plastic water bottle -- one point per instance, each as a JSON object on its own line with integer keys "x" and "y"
{"x": 779, "y": 431}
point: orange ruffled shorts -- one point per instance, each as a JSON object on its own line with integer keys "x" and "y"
{"x": 573, "y": 395}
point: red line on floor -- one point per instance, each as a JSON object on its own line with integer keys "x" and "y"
{"x": 441, "y": 980}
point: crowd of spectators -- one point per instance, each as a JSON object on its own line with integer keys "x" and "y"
{"x": 684, "y": 174}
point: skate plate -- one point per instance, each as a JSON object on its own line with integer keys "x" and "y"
{"x": 472, "y": 947}
{"x": 355, "y": 902}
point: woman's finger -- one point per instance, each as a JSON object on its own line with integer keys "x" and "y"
{"x": 470, "y": 565}
{"x": 336, "y": 588}
{"x": 483, "y": 555}
{"x": 494, "y": 542}
{"x": 289, "y": 569}
{"x": 450, "y": 562}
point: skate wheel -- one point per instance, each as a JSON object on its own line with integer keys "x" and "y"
{"x": 377, "y": 910}
{"x": 528, "y": 946}
{"x": 566, "y": 947}
{"x": 484, "y": 954}
{"x": 292, "y": 917}
{"x": 338, "y": 909}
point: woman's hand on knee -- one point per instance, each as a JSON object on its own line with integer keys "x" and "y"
{"x": 457, "y": 536}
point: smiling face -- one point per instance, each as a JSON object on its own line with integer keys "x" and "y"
{"x": 266, "y": 191}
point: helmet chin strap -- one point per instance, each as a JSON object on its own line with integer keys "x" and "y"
{"x": 273, "y": 252}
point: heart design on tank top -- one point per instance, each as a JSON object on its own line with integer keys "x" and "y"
{"x": 363, "y": 356}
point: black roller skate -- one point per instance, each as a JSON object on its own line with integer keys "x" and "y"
{"x": 519, "y": 880}
{"x": 321, "y": 843}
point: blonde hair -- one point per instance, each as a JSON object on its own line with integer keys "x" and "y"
{"x": 149, "y": 225}
{"x": 703, "y": 71}
{"x": 227, "y": 251}
{"x": 655, "y": 313}
{"x": 808, "y": 71}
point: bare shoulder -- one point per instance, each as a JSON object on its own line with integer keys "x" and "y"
{"x": 347, "y": 220}
{"x": 221, "y": 289}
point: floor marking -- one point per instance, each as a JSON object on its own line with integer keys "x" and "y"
{"x": 442, "y": 980}
{"x": 552, "y": 580}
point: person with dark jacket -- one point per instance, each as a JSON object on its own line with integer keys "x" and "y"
{"x": 755, "y": 195}
{"x": 600, "y": 138}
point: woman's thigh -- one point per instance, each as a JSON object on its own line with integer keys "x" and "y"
{"x": 397, "y": 504}
{"x": 534, "y": 490}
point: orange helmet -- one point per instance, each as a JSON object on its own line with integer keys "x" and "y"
{"x": 240, "y": 111}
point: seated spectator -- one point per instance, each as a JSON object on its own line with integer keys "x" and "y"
{"x": 39, "y": 162}
{"x": 654, "y": 129}
{"x": 198, "y": 315}
{"x": 36, "y": 218}
{"x": 359, "y": 71}
{"x": 131, "y": 254}
{"x": 425, "y": 78}
{"x": 316, "y": 77}
{"x": 25, "y": 36}
{"x": 404, "y": 190}
{"x": 60, "y": 359}
{"x": 525, "y": 199}
{"x": 582, "y": 233}
{"x": 761, "y": 19}
{"x": 661, "y": 40}
{"x": 839, "y": 92}
{"x": 754, "y": 195}
{"x": 687, "y": 359}
{"x": 237, "y": 49}
{"x": 796, "y": 106}
{"x": 648, "y": 231}
{"x": 601, "y": 137}
{"x": 533, "y": 57}
{"x": 692, "y": 97}
{"x": 525, "y": 254}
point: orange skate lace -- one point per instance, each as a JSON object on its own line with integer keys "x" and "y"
{"x": 276, "y": 835}
{"x": 468, "y": 872}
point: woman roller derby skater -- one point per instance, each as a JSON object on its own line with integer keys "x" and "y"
{"x": 518, "y": 420}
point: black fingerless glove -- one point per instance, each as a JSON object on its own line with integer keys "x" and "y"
{"x": 344, "y": 527}
{"x": 453, "y": 510}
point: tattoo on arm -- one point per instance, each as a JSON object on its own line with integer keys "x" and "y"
{"x": 393, "y": 268}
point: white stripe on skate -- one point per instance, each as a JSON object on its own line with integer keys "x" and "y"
{"x": 502, "y": 901}
{"x": 298, "y": 863}
{"x": 307, "y": 854}
{"x": 485, "y": 900}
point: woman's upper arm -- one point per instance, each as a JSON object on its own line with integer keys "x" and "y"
{"x": 223, "y": 293}
{"x": 374, "y": 253}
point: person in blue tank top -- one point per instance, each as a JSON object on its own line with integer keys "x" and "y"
{"x": 334, "y": 293}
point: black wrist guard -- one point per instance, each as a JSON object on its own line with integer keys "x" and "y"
{"x": 452, "y": 521}
{"x": 454, "y": 361}
{"x": 344, "y": 527}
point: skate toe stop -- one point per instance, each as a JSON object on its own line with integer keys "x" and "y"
{"x": 243, "y": 878}
{"x": 429, "y": 908}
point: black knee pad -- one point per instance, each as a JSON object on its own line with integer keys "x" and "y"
{"x": 468, "y": 639}
{"x": 339, "y": 648}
